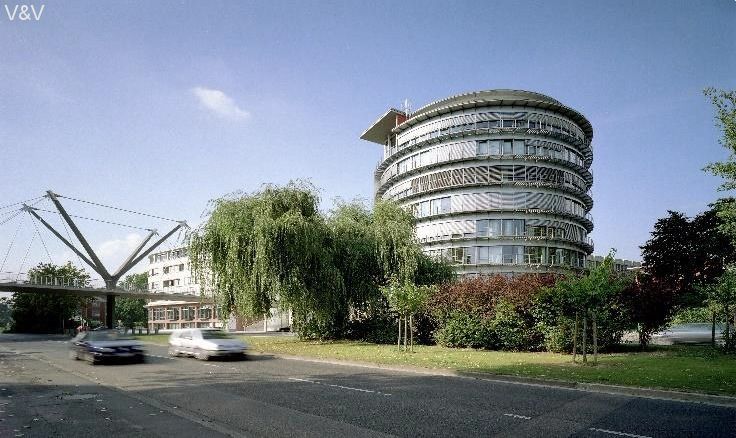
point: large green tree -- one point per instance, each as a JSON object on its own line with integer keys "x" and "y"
{"x": 725, "y": 106}
{"x": 724, "y": 103}
{"x": 269, "y": 248}
{"x": 273, "y": 248}
{"x": 49, "y": 312}
{"x": 131, "y": 312}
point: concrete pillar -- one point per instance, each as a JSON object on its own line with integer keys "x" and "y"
{"x": 109, "y": 311}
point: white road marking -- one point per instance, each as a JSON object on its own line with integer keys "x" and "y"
{"x": 523, "y": 417}
{"x": 613, "y": 432}
{"x": 340, "y": 386}
{"x": 160, "y": 357}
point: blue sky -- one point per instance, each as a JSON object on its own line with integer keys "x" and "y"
{"x": 161, "y": 106}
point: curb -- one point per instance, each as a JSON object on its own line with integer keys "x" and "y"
{"x": 630, "y": 391}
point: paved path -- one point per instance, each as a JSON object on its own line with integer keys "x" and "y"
{"x": 44, "y": 393}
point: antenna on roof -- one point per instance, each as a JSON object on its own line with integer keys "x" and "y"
{"x": 406, "y": 107}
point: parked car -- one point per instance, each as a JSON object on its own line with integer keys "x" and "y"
{"x": 205, "y": 343}
{"x": 693, "y": 333}
{"x": 98, "y": 346}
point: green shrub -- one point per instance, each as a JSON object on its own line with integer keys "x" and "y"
{"x": 557, "y": 338}
{"x": 378, "y": 329}
{"x": 512, "y": 330}
{"x": 466, "y": 330}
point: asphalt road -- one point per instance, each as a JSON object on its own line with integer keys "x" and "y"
{"x": 43, "y": 393}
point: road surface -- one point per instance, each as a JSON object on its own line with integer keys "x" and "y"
{"x": 44, "y": 393}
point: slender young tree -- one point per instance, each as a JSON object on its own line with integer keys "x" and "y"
{"x": 722, "y": 297}
{"x": 407, "y": 299}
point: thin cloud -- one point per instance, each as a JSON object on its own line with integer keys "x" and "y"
{"x": 220, "y": 103}
{"x": 113, "y": 252}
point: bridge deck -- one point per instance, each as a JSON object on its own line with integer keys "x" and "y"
{"x": 97, "y": 292}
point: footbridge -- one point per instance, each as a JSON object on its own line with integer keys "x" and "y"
{"x": 24, "y": 282}
{"x": 108, "y": 285}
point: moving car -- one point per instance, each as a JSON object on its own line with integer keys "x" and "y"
{"x": 692, "y": 333}
{"x": 205, "y": 343}
{"x": 106, "y": 345}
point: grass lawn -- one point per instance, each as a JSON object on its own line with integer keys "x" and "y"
{"x": 683, "y": 368}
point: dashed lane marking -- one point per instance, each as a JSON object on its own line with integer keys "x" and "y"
{"x": 349, "y": 388}
{"x": 522, "y": 417}
{"x": 613, "y": 432}
{"x": 160, "y": 357}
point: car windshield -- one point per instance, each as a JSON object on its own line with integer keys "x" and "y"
{"x": 107, "y": 335}
{"x": 214, "y": 334}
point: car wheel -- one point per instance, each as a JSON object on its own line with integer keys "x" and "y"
{"x": 201, "y": 355}
{"x": 173, "y": 352}
{"x": 140, "y": 359}
{"x": 73, "y": 354}
{"x": 92, "y": 359}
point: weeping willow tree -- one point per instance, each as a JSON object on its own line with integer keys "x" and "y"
{"x": 272, "y": 248}
{"x": 351, "y": 225}
{"x": 268, "y": 249}
{"x": 372, "y": 247}
{"x": 396, "y": 247}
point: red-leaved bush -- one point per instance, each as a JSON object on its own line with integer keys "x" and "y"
{"x": 479, "y": 296}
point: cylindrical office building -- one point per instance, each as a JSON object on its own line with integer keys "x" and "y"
{"x": 499, "y": 181}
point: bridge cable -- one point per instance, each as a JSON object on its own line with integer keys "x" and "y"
{"x": 117, "y": 208}
{"x": 10, "y": 247}
{"x": 13, "y": 215}
{"x": 25, "y": 257}
{"x": 16, "y": 213}
{"x": 8, "y": 213}
{"x": 20, "y": 203}
{"x": 97, "y": 220}
{"x": 42, "y": 242}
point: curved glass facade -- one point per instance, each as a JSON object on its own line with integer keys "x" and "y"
{"x": 499, "y": 180}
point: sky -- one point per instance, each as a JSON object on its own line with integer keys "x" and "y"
{"x": 162, "y": 106}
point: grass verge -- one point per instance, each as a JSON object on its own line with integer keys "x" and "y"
{"x": 681, "y": 368}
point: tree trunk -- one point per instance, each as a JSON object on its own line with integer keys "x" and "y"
{"x": 595, "y": 339}
{"x": 398, "y": 341}
{"x": 727, "y": 333}
{"x": 411, "y": 333}
{"x": 406, "y": 324}
{"x": 585, "y": 338}
{"x": 713, "y": 330}
{"x": 575, "y": 338}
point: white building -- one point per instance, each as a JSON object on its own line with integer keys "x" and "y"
{"x": 169, "y": 272}
{"x": 499, "y": 181}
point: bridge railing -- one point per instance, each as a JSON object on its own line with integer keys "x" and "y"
{"x": 163, "y": 291}
{"x": 76, "y": 283}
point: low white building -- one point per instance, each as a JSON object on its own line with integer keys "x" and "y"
{"x": 169, "y": 272}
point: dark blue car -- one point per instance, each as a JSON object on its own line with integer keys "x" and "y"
{"x": 106, "y": 346}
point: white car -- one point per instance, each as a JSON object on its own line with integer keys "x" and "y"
{"x": 205, "y": 343}
{"x": 692, "y": 333}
